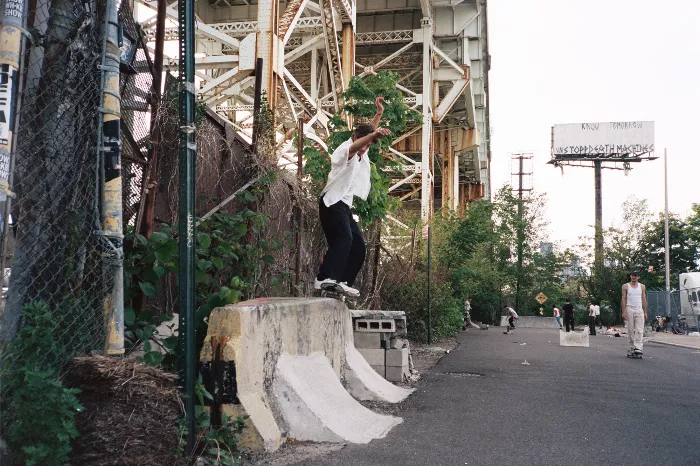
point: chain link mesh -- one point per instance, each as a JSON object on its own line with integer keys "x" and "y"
{"x": 57, "y": 252}
{"x": 59, "y": 256}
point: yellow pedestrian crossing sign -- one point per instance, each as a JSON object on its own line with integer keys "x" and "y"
{"x": 541, "y": 298}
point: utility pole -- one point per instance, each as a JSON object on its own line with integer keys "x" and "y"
{"x": 187, "y": 239}
{"x": 598, "y": 259}
{"x": 666, "y": 239}
{"x": 520, "y": 227}
{"x": 11, "y": 47}
{"x": 110, "y": 145}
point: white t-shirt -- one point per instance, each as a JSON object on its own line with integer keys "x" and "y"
{"x": 556, "y": 311}
{"x": 348, "y": 177}
{"x": 596, "y": 308}
{"x": 512, "y": 312}
{"x": 591, "y": 310}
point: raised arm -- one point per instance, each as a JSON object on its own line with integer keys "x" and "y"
{"x": 623, "y": 304}
{"x": 379, "y": 101}
{"x": 367, "y": 140}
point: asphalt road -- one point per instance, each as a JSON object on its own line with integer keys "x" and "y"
{"x": 569, "y": 406}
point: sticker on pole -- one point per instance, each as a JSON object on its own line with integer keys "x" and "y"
{"x": 425, "y": 232}
{"x": 5, "y": 103}
{"x": 541, "y": 298}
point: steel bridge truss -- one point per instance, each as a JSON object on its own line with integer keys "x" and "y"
{"x": 311, "y": 49}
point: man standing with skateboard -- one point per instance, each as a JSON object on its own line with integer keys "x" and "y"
{"x": 634, "y": 313}
{"x": 349, "y": 177}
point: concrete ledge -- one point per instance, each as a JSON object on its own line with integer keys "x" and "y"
{"x": 256, "y": 334}
{"x": 532, "y": 322}
{"x": 574, "y": 339}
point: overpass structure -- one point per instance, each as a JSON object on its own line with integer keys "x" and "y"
{"x": 312, "y": 48}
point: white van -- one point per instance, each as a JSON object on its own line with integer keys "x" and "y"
{"x": 689, "y": 286}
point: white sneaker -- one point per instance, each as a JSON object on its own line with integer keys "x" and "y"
{"x": 327, "y": 284}
{"x": 348, "y": 290}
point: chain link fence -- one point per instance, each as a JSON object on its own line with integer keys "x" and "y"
{"x": 656, "y": 303}
{"x": 60, "y": 256}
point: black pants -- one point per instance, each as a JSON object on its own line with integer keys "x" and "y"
{"x": 569, "y": 319}
{"x": 591, "y": 325}
{"x": 511, "y": 321}
{"x": 598, "y": 322}
{"x": 346, "y": 246}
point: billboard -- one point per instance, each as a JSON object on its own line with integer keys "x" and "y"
{"x": 592, "y": 140}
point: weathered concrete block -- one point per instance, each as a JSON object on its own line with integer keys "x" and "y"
{"x": 398, "y": 343}
{"x": 282, "y": 347}
{"x": 381, "y": 370}
{"x": 375, "y": 325}
{"x": 397, "y": 357}
{"x": 573, "y": 339}
{"x": 396, "y": 374}
{"x": 367, "y": 340}
{"x": 375, "y": 357}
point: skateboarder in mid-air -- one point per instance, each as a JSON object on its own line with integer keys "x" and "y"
{"x": 349, "y": 177}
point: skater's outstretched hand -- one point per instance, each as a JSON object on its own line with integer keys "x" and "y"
{"x": 381, "y": 132}
{"x": 379, "y": 101}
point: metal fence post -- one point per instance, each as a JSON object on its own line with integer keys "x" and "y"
{"x": 110, "y": 140}
{"x": 187, "y": 239}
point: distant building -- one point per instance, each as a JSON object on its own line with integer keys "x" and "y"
{"x": 546, "y": 248}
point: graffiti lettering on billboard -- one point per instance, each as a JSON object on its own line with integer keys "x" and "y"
{"x": 605, "y": 149}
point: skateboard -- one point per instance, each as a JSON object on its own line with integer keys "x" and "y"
{"x": 340, "y": 296}
{"x": 635, "y": 355}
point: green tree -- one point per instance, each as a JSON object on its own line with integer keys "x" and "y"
{"x": 623, "y": 252}
{"x": 360, "y": 97}
{"x": 683, "y": 251}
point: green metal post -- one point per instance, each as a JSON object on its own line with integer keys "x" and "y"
{"x": 187, "y": 238}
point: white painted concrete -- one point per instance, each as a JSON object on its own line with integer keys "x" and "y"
{"x": 257, "y": 334}
{"x": 364, "y": 383}
{"x": 316, "y": 407}
{"x": 574, "y": 339}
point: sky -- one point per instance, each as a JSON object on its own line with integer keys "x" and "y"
{"x": 571, "y": 61}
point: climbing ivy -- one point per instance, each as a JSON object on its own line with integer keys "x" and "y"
{"x": 231, "y": 253}
{"x": 359, "y": 98}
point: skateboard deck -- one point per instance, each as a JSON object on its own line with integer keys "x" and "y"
{"x": 331, "y": 293}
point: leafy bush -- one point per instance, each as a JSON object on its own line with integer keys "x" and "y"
{"x": 446, "y": 311}
{"x": 40, "y": 418}
{"x": 230, "y": 256}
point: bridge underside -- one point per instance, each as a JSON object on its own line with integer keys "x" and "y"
{"x": 311, "y": 49}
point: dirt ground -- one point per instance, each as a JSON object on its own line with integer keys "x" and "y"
{"x": 424, "y": 356}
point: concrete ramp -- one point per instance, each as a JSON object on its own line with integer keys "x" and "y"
{"x": 532, "y": 322}
{"x": 259, "y": 335}
{"x": 316, "y": 407}
{"x": 365, "y": 384}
